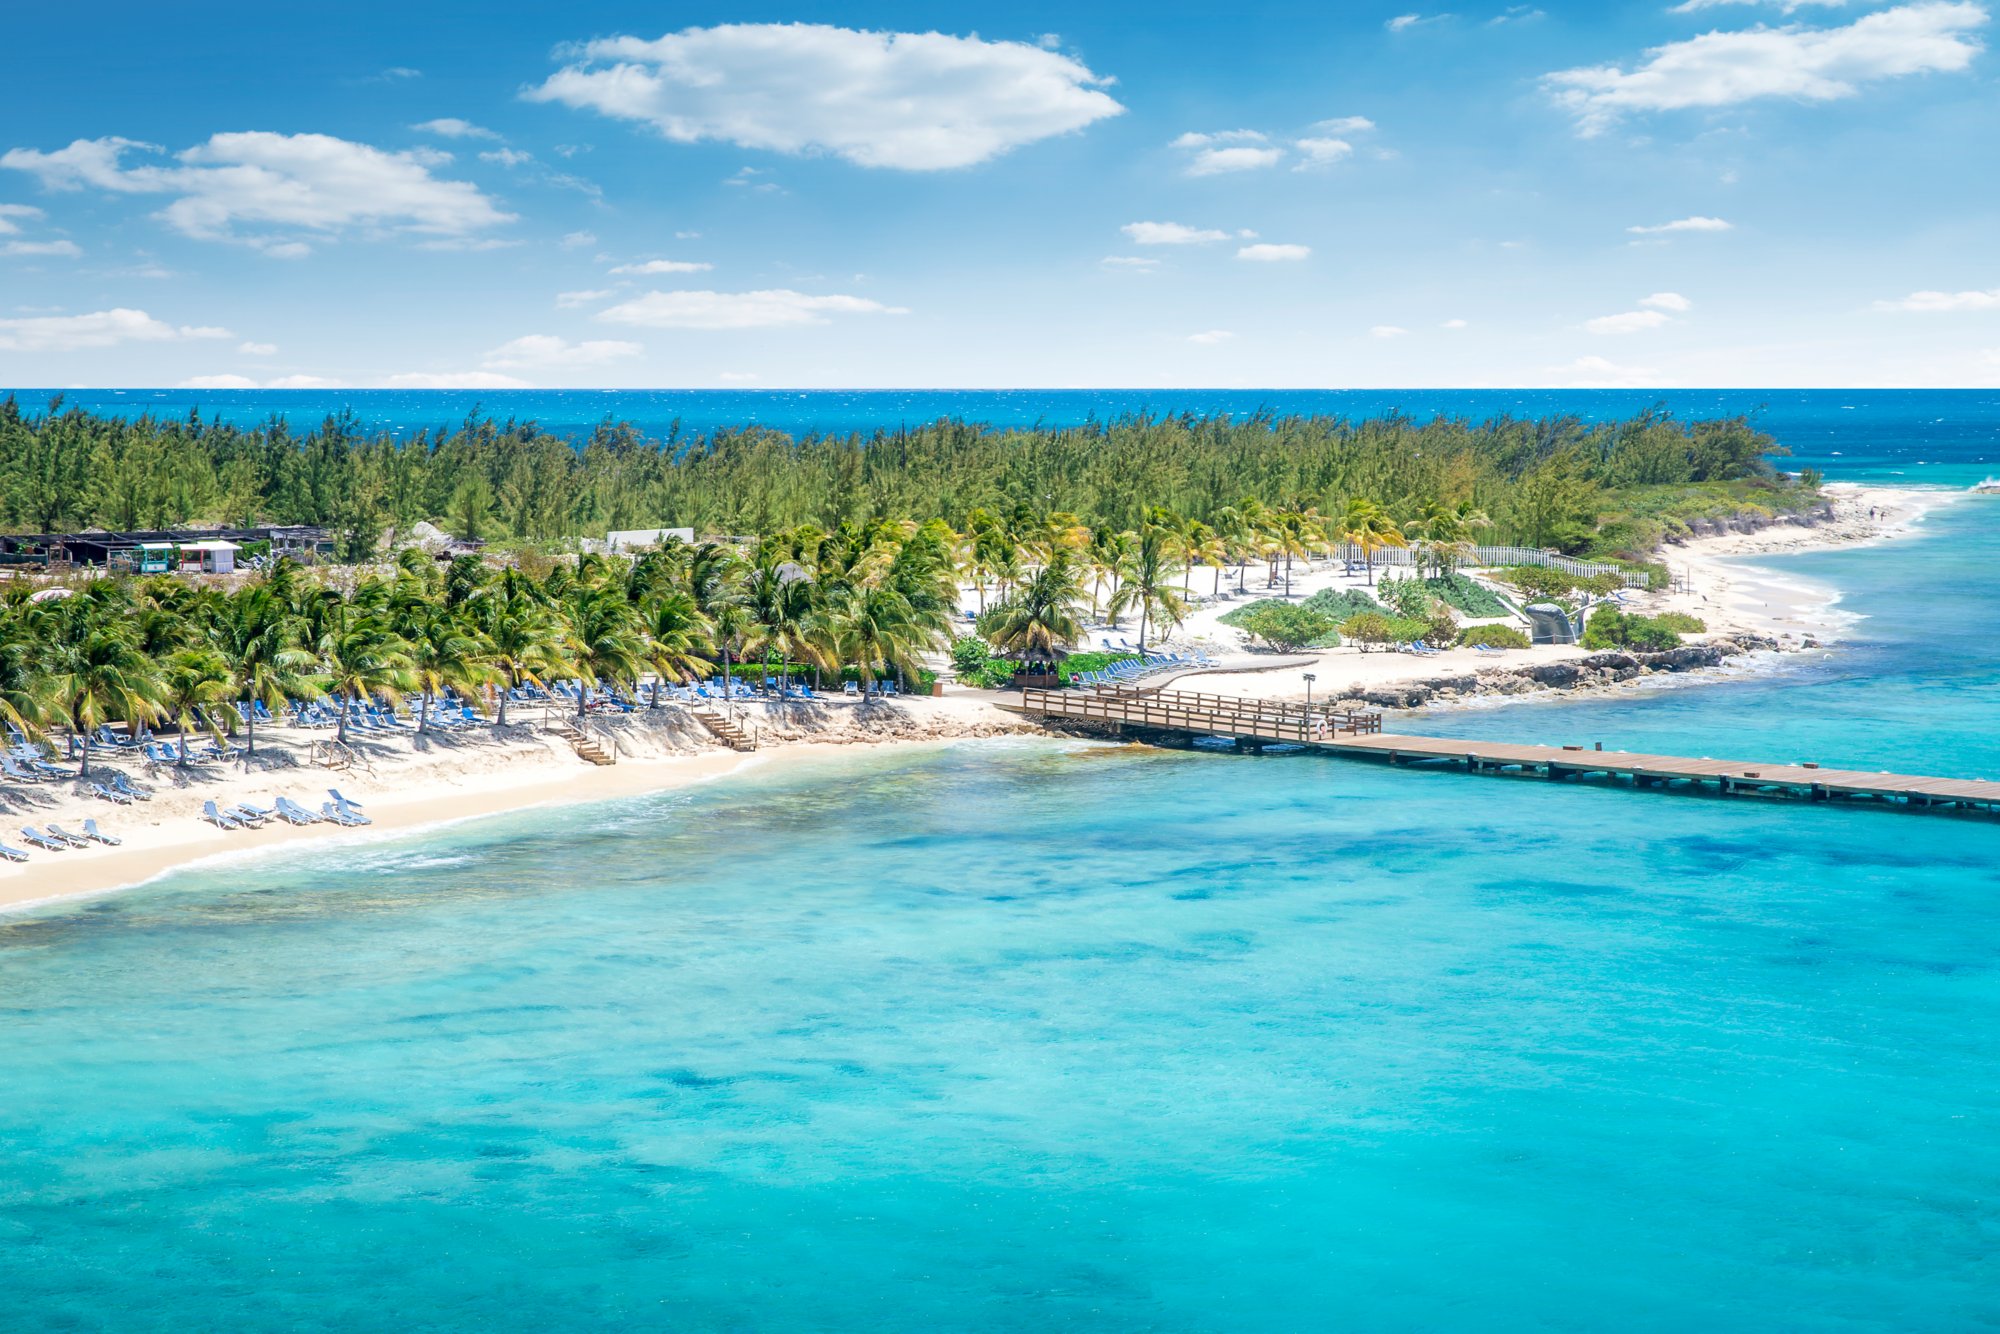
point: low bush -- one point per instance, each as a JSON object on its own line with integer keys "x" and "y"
{"x": 1466, "y": 594}
{"x": 1681, "y": 623}
{"x": 1241, "y": 617}
{"x": 1340, "y": 603}
{"x": 1288, "y": 628}
{"x": 1089, "y": 662}
{"x": 1492, "y": 636}
{"x": 1608, "y": 627}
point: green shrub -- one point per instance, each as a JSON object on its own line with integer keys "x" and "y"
{"x": 1288, "y": 628}
{"x": 1467, "y": 595}
{"x": 1337, "y": 604}
{"x": 1406, "y": 596}
{"x": 1240, "y": 618}
{"x": 1369, "y": 629}
{"x": 969, "y": 654}
{"x": 1088, "y": 662}
{"x": 1492, "y": 636}
{"x": 1681, "y": 623}
{"x": 1608, "y": 627}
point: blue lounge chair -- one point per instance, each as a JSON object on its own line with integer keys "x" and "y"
{"x": 346, "y": 818}
{"x": 55, "y": 830}
{"x": 43, "y": 841}
{"x": 345, "y": 803}
{"x": 12, "y": 768}
{"x": 217, "y": 818}
{"x": 12, "y": 854}
{"x": 96, "y": 835}
{"x": 292, "y": 813}
{"x": 120, "y": 783}
{"x": 103, "y": 793}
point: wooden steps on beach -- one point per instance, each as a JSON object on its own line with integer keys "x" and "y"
{"x": 726, "y": 731}
{"x": 586, "y": 746}
{"x": 1255, "y": 722}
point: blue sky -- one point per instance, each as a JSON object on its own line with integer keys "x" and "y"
{"x": 1714, "y": 192}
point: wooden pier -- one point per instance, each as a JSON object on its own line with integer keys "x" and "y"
{"x": 1254, "y": 722}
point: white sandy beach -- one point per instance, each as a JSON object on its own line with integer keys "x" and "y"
{"x": 404, "y": 783}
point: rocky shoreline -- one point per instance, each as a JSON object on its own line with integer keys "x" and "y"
{"x": 1598, "y": 671}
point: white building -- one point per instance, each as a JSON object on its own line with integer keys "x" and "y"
{"x": 634, "y": 539}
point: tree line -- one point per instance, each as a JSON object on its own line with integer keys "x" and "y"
{"x": 1547, "y": 482}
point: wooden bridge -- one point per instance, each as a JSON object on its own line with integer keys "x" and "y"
{"x": 1254, "y": 722}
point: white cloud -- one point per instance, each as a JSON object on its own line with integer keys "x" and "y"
{"x": 1194, "y": 139}
{"x": 1170, "y": 233}
{"x": 103, "y": 328}
{"x": 910, "y": 101}
{"x": 1452, "y": 324}
{"x": 1694, "y": 224}
{"x": 1788, "y": 6}
{"x": 455, "y": 380}
{"x": 303, "y": 382}
{"x": 1321, "y": 152}
{"x": 1403, "y": 21}
{"x": 62, "y": 249}
{"x": 578, "y": 240}
{"x": 310, "y": 183}
{"x": 1718, "y": 69}
{"x": 1931, "y": 302}
{"x": 777, "y": 308}
{"x": 1131, "y": 263}
{"x": 1344, "y": 125}
{"x": 665, "y": 266}
{"x": 258, "y": 349}
{"x": 1210, "y": 337}
{"x": 585, "y": 297}
{"x": 1273, "y": 254}
{"x": 8, "y": 212}
{"x": 217, "y": 382}
{"x": 1387, "y": 331}
{"x": 451, "y": 127}
{"x": 1673, "y": 301}
{"x": 1597, "y": 373}
{"x": 1630, "y": 321}
{"x": 1215, "y": 161}
{"x": 534, "y": 350}
{"x": 507, "y": 157}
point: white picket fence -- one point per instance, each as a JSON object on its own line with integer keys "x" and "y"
{"x": 1490, "y": 556}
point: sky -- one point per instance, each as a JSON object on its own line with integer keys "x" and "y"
{"x": 1680, "y": 193}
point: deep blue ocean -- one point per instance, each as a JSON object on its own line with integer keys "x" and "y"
{"x": 1032, "y": 1035}
{"x": 1851, "y": 432}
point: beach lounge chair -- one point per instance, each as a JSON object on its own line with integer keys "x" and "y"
{"x": 103, "y": 793}
{"x": 350, "y": 819}
{"x": 54, "y": 830}
{"x": 253, "y": 810}
{"x": 13, "y": 769}
{"x": 1487, "y": 650}
{"x": 292, "y": 813}
{"x": 12, "y": 854}
{"x": 47, "y": 770}
{"x": 244, "y": 815}
{"x": 96, "y": 835}
{"x": 120, "y": 783}
{"x": 345, "y": 803}
{"x": 43, "y": 841}
{"x": 217, "y": 818}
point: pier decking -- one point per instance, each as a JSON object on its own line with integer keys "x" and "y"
{"x": 1360, "y": 734}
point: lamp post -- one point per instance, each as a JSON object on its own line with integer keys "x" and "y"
{"x": 1310, "y": 678}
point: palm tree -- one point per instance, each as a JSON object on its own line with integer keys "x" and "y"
{"x": 524, "y": 644}
{"x": 442, "y": 656}
{"x": 257, "y": 637}
{"x": 605, "y": 642}
{"x": 93, "y": 673}
{"x": 1153, "y": 568}
{"x": 1368, "y": 526}
{"x": 362, "y": 658}
{"x": 677, "y": 635}
{"x": 192, "y": 681}
{"x": 875, "y": 627}
{"x": 1040, "y": 621}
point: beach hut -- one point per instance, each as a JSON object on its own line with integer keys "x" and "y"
{"x": 156, "y": 557}
{"x": 210, "y": 556}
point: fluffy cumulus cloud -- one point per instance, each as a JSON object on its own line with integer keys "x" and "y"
{"x": 776, "y": 308}
{"x": 537, "y": 350}
{"x": 54, "y": 249}
{"x": 1932, "y": 302}
{"x": 258, "y": 349}
{"x": 103, "y": 328}
{"x": 1171, "y": 233}
{"x": 274, "y": 191}
{"x": 1719, "y": 69}
{"x": 1672, "y": 301}
{"x": 910, "y": 101}
{"x": 1266, "y": 253}
{"x": 1788, "y": 6}
{"x": 454, "y": 380}
{"x": 652, "y": 266}
{"x": 588, "y": 296}
{"x": 1213, "y": 153}
{"x": 1693, "y": 224}
{"x": 13, "y": 215}
{"x": 217, "y": 382}
{"x": 451, "y": 127}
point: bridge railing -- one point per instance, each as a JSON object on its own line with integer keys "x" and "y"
{"x": 1215, "y": 715}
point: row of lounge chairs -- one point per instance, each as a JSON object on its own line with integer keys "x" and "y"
{"x": 54, "y": 838}
{"x": 1133, "y": 668}
{"x": 245, "y": 815}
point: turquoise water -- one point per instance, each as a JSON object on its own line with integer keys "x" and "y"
{"x": 1031, "y": 1035}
